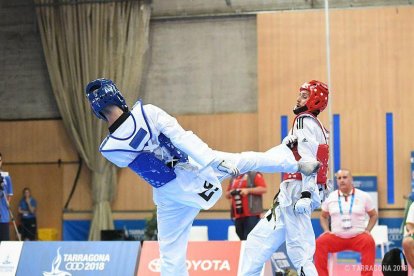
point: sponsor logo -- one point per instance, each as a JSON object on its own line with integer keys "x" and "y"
{"x": 9, "y": 257}
{"x": 74, "y": 266}
{"x": 195, "y": 265}
{"x": 55, "y": 267}
{"x": 394, "y": 234}
{"x": 6, "y": 266}
{"x": 6, "y": 261}
{"x": 77, "y": 262}
{"x": 155, "y": 265}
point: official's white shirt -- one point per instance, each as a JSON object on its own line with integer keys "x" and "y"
{"x": 361, "y": 206}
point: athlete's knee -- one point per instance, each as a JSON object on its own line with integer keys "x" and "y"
{"x": 369, "y": 241}
{"x": 321, "y": 241}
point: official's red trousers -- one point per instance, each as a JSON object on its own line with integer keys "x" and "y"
{"x": 329, "y": 243}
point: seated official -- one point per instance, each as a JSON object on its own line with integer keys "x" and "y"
{"x": 347, "y": 207}
{"x": 408, "y": 241}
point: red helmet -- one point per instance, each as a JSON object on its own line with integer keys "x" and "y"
{"x": 318, "y": 95}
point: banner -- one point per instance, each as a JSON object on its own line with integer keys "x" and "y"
{"x": 9, "y": 257}
{"x": 79, "y": 258}
{"x": 395, "y": 236}
{"x": 203, "y": 258}
{"x": 367, "y": 183}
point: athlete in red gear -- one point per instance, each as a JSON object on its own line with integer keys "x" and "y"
{"x": 290, "y": 218}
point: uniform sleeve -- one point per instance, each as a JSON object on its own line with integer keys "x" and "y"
{"x": 259, "y": 180}
{"x": 369, "y": 205}
{"x": 186, "y": 141}
{"x": 410, "y": 215}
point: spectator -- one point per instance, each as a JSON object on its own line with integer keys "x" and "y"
{"x": 27, "y": 211}
{"x": 347, "y": 207}
{"x": 246, "y": 194}
{"x": 6, "y": 192}
{"x": 408, "y": 241}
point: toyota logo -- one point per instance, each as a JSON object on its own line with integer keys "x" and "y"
{"x": 155, "y": 265}
{"x": 74, "y": 266}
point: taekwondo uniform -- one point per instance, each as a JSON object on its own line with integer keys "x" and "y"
{"x": 179, "y": 166}
{"x": 282, "y": 223}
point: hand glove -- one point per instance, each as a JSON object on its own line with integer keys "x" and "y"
{"x": 303, "y": 205}
{"x": 227, "y": 167}
{"x": 290, "y": 140}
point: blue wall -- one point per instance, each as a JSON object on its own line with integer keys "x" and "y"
{"x": 77, "y": 230}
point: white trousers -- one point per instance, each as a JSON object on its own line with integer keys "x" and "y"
{"x": 174, "y": 223}
{"x": 177, "y": 206}
{"x": 294, "y": 229}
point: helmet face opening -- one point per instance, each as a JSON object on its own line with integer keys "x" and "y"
{"x": 93, "y": 88}
{"x": 102, "y": 93}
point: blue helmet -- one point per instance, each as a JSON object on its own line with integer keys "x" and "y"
{"x": 103, "y": 92}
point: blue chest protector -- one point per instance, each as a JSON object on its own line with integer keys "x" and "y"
{"x": 154, "y": 170}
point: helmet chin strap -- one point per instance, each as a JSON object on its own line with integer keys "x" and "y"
{"x": 299, "y": 110}
{"x": 304, "y": 108}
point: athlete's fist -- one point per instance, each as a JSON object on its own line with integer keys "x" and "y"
{"x": 303, "y": 205}
{"x": 290, "y": 140}
{"x": 226, "y": 167}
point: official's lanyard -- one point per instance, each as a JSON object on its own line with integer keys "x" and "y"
{"x": 352, "y": 202}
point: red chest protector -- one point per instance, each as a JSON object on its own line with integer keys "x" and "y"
{"x": 322, "y": 155}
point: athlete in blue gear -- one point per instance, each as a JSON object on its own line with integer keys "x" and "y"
{"x": 184, "y": 171}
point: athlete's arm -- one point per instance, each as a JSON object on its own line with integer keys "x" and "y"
{"x": 185, "y": 140}
{"x": 324, "y": 219}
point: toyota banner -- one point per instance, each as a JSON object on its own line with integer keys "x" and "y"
{"x": 203, "y": 258}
